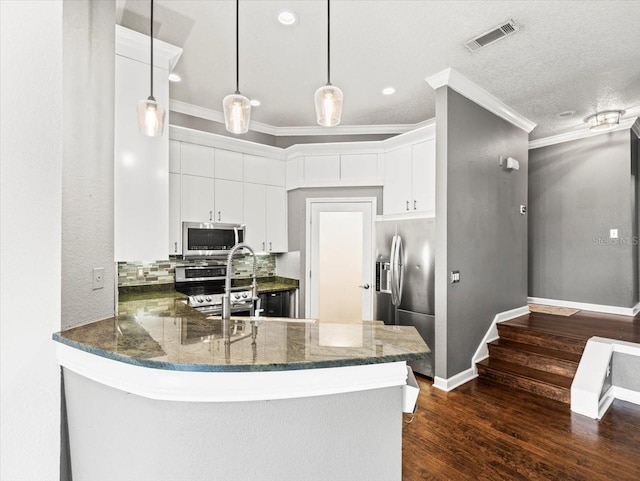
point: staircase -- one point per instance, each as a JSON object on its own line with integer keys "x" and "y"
{"x": 532, "y": 359}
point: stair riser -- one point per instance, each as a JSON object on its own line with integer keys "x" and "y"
{"x": 525, "y": 384}
{"x": 533, "y": 360}
{"x": 527, "y": 336}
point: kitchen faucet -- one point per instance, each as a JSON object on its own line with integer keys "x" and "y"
{"x": 226, "y": 297}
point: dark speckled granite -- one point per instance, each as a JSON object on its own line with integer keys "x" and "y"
{"x": 162, "y": 332}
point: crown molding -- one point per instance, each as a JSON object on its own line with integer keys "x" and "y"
{"x": 136, "y": 45}
{"x": 312, "y": 130}
{"x": 334, "y": 148}
{"x": 455, "y": 80}
{"x": 583, "y": 132}
{"x": 636, "y": 127}
{"x": 426, "y": 131}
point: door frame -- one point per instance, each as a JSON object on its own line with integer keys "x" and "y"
{"x": 335, "y": 200}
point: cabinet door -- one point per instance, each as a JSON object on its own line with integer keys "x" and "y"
{"x": 174, "y": 156}
{"x": 322, "y": 169}
{"x": 229, "y": 165}
{"x": 197, "y": 160}
{"x": 255, "y": 169}
{"x": 397, "y": 181}
{"x": 276, "y": 172}
{"x": 197, "y": 198}
{"x": 276, "y": 202}
{"x": 359, "y": 169}
{"x": 424, "y": 176}
{"x": 254, "y": 216}
{"x": 228, "y": 201}
{"x": 175, "y": 220}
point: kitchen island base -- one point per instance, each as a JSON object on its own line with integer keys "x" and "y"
{"x": 118, "y": 435}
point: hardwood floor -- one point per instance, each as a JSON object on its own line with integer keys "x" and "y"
{"x": 486, "y": 432}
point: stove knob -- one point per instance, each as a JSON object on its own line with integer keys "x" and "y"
{"x": 208, "y": 299}
{"x": 199, "y": 299}
{"x": 245, "y": 295}
{"x": 237, "y": 296}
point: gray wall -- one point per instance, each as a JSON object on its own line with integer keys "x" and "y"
{"x": 624, "y": 371}
{"x": 87, "y": 168}
{"x": 578, "y": 191}
{"x": 635, "y": 187}
{"x": 480, "y": 231}
{"x": 116, "y": 435}
{"x": 297, "y": 221}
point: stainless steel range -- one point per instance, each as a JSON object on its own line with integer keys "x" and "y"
{"x": 205, "y": 286}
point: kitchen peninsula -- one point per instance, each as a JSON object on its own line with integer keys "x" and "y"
{"x": 164, "y": 392}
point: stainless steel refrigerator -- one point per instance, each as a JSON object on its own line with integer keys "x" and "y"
{"x": 405, "y": 258}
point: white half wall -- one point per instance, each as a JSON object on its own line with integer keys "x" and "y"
{"x": 30, "y": 236}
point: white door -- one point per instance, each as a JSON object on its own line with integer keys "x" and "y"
{"x": 340, "y": 259}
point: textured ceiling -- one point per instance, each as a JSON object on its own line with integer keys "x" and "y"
{"x": 569, "y": 55}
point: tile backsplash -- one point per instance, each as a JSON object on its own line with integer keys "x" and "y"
{"x": 138, "y": 273}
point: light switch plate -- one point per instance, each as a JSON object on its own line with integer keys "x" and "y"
{"x": 613, "y": 233}
{"x": 98, "y": 278}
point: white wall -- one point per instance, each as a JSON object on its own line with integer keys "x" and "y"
{"x": 30, "y": 225}
{"x": 87, "y": 170}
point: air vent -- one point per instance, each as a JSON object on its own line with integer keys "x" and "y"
{"x": 492, "y": 35}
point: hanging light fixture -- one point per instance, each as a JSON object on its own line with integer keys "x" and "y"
{"x": 328, "y": 99}
{"x": 604, "y": 120}
{"x": 236, "y": 107}
{"x": 150, "y": 113}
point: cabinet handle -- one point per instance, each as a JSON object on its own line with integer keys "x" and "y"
{"x": 210, "y": 215}
{"x": 263, "y": 246}
{"x": 415, "y": 205}
{"x": 218, "y": 216}
{"x": 175, "y": 246}
{"x": 270, "y": 246}
{"x": 407, "y": 205}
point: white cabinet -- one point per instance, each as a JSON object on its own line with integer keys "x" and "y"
{"x": 175, "y": 156}
{"x": 410, "y": 179}
{"x": 276, "y": 172}
{"x": 359, "y": 169}
{"x": 197, "y": 198}
{"x": 321, "y": 169}
{"x": 255, "y": 169}
{"x": 175, "y": 217}
{"x": 265, "y": 215}
{"x": 228, "y": 165}
{"x": 197, "y": 159}
{"x": 228, "y": 201}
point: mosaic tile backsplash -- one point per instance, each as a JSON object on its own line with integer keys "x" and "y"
{"x": 163, "y": 272}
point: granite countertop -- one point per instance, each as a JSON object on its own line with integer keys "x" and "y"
{"x": 159, "y": 330}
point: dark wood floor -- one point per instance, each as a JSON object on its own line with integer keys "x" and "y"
{"x": 485, "y": 432}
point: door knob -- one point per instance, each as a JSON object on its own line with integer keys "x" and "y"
{"x": 366, "y": 286}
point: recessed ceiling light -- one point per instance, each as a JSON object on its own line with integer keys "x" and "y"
{"x": 566, "y": 113}
{"x": 287, "y": 17}
{"x": 174, "y": 77}
{"x": 388, "y": 91}
{"x": 254, "y": 102}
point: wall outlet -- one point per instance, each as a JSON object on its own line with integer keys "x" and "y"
{"x": 523, "y": 209}
{"x": 455, "y": 277}
{"x": 98, "y": 278}
{"x": 140, "y": 273}
{"x": 613, "y": 233}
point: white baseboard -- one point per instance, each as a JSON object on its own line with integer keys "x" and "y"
{"x": 583, "y": 306}
{"x": 626, "y": 394}
{"x": 481, "y": 353}
{"x": 453, "y": 382}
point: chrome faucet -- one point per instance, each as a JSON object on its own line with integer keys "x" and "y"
{"x": 226, "y": 297}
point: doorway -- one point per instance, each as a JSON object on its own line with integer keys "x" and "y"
{"x": 339, "y": 266}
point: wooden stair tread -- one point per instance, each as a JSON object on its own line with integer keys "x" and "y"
{"x": 535, "y": 375}
{"x": 539, "y": 350}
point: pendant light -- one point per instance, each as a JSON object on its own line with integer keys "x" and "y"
{"x": 150, "y": 113}
{"x": 236, "y": 107}
{"x": 328, "y": 98}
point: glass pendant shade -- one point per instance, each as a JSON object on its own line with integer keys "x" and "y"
{"x": 237, "y": 113}
{"x": 604, "y": 120}
{"x": 150, "y": 117}
{"x": 328, "y": 101}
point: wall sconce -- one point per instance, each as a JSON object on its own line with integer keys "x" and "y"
{"x": 509, "y": 163}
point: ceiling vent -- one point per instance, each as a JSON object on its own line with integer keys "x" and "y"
{"x": 493, "y": 35}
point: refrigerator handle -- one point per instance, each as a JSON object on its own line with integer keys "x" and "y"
{"x": 399, "y": 261}
{"x": 392, "y": 270}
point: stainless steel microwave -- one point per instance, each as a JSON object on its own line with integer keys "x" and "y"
{"x": 202, "y": 239}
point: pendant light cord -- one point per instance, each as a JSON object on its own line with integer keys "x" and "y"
{"x": 328, "y": 42}
{"x": 237, "y": 48}
{"x": 151, "y": 66}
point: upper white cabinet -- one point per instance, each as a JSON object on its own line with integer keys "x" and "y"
{"x": 321, "y": 169}
{"x": 198, "y": 201}
{"x": 228, "y": 165}
{"x": 228, "y": 201}
{"x": 275, "y": 172}
{"x": 198, "y": 160}
{"x": 255, "y": 169}
{"x": 141, "y": 163}
{"x": 175, "y": 218}
{"x": 410, "y": 179}
{"x": 265, "y": 215}
{"x": 360, "y": 169}
{"x": 175, "y": 161}
{"x": 276, "y": 216}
